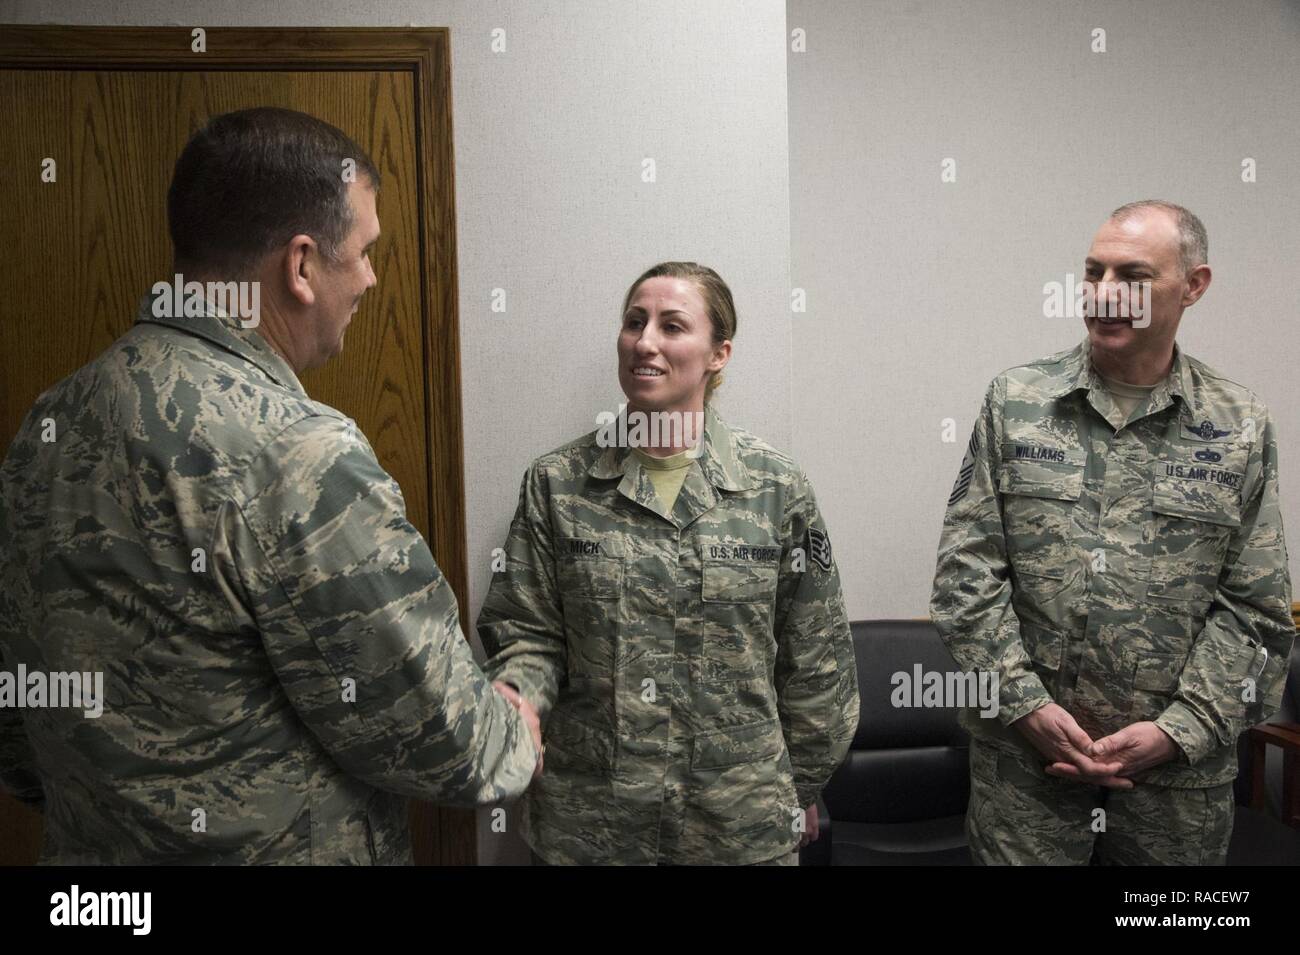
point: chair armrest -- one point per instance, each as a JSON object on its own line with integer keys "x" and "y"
{"x": 1285, "y": 736}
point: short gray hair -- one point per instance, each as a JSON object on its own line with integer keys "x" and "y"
{"x": 1193, "y": 243}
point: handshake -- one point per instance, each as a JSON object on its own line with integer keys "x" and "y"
{"x": 1071, "y": 753}
{"x": 530, "y": 719}
{"x": 811, "y": 824}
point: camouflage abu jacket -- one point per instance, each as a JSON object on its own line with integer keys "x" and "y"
{"x": 694, "y": 668}
{"x": 1127, "y": 572}
{"x": 281, "y": 657}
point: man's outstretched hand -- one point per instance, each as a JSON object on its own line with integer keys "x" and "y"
{"x": 530, "y": 719}
{"x": 1068, "y": 750}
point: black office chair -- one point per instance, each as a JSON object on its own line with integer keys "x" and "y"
{"x": 900, "y": 796}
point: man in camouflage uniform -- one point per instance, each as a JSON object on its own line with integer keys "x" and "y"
{"x": 282, "y": 659}
{"x": 695, "y": 663}
{"x": 1113, "y": 551}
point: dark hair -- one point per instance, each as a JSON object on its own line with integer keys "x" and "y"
{"x": 717, "y": 299}
{"x": 249, "y": 181}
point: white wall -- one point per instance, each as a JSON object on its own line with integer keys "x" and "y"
{"x": 920, "y": 292}
{"x": 550, "y": 205}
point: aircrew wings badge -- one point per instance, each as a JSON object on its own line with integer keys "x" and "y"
{"x": 1206, "y": 431}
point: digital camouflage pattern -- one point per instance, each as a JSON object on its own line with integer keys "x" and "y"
{"x": 1019, "y": 815}
{"x": 232, "y": 556}
{"x": 1127, "y": 572}
{"x": 694, "y": 668}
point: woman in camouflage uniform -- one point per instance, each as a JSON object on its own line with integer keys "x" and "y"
{"x": 674, "y": 614}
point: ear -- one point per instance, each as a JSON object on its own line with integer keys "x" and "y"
{"x": 721, "y": 355}
{"x": 1198, "y": 280}
{"x": 301, "y": 263}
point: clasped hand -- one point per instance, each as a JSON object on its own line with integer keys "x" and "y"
{"x": 1072, "y": 754}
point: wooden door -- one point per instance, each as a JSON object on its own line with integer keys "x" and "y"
{"x": 112, "y": 109}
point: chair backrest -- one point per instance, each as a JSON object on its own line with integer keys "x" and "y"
{"x": 907, "y": 763}
{"x": 883, "y": 649}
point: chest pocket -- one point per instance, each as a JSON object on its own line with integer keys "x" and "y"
{"x": 1039, "y": 495}
{"x": 738, "y": 597}
{"x": 590, "y": 574}
{"x": 1193, "y": 517}
{"x": 738, "y": 583}
{"x": 589, "y": 568}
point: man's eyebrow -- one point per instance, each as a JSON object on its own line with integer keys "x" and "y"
{"x": 1125, "y": 266}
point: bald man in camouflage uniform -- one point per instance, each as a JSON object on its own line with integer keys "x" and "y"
{"x": 1114, "y": 553}
{"x": 282, "y": 658}
{"x": 693, "y": 666}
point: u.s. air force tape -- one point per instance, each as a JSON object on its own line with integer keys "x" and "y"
{"x": 967, "y": 469}
{"x": 819, "y": 548}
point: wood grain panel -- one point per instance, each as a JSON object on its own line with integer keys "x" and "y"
{"x": 101, "y": 233}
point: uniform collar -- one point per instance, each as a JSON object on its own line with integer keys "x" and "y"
{"x": 720, "y": 462}
{"x": 223, "y": 330}
{"x": 1078, "y": 374}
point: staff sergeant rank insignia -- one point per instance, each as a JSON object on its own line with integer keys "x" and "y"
{"x": 967, "y": 469}
{"x": 819, "y": 548}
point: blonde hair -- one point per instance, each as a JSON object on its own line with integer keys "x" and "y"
{"x": 717, "y": 300}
